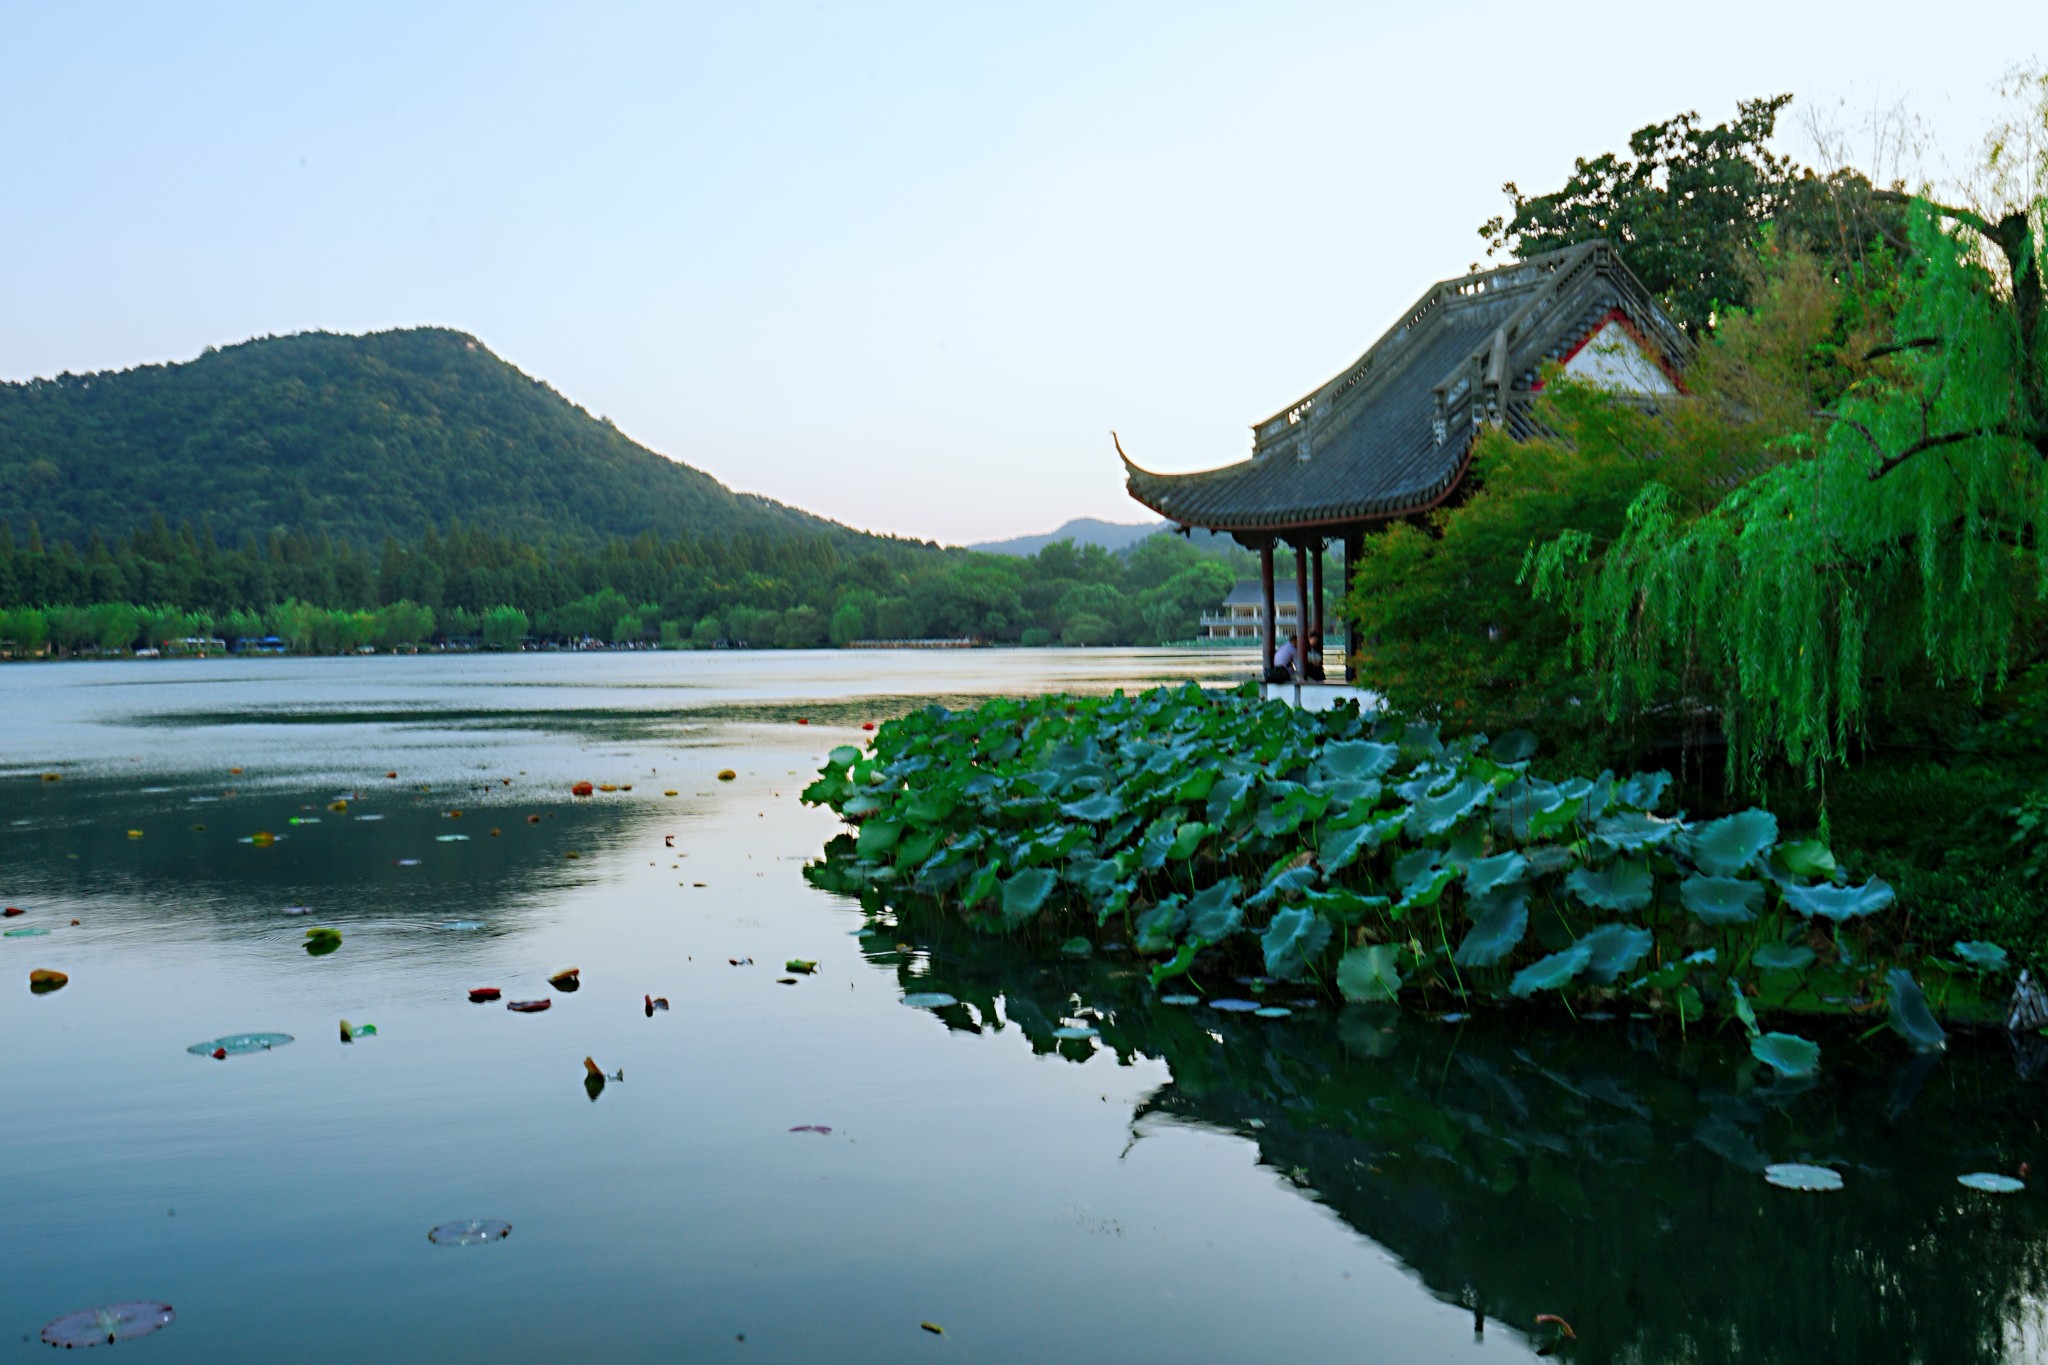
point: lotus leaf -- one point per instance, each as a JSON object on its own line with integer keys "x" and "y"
{"x": 1340, "y": 849}
{"x": 1434, "y": 815}
{"x": 1359, "y": 758}
{"x": 1732, "y": 844}
{"x": 1368, "y": 973}
{"x": 929, "y": 1000}
{"x": 1180, "y": 999}
{"x": 1096, "y": 809}
{"x": 877, "y": 837}
{"x": 237, "y": 1044}
{"x": 1213, "y": 913}
{"x": 1074, "y": 1033}
{"x": 1293, "y": 940}
{"x": 1792, "y": 1175}
{"x": 1285, "y": 884}
{"x": 1909, "y": 1014}
{"x": 1024, "y": 893}
{"x": 1487, "y": 874}
{"x": 1187, "y": 839}
{"x": 1643, "y": 791}
{"x": 1177, "y": 965}
{"x": 1426, "y": 889}
{"x": 1077, "y": 946}
{"x": 1496, "y": 935}
{"x": 1622, "y": 886}
{"x": 1787, "y": 1054}
{"x": 1991, "y": 1183}
{"x": 1158, "y": 927}
{"x": 1721, "y": 901}
{"x": 1236, "y": 1006}
{"x": 1634, "y": 830}
{"x": 1272, "y": 1012}
{"x": 1985, "y": 957}
{"x": 1516, "y": 746}
{"x": 1613, "y": 949}
{"x": 1551, "y": 973}
{"x": 845, "y": 756}
{"x": 1807, "y": 858}
{"x": 1840, "y": 903}
{"x": 1783, "y": 957}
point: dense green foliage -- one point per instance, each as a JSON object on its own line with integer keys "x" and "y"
{"x": 1364, "y": 858}
{"x": 353, "y": 437}
{"x": 1447, "y": 627}
{"x": 795, "y": 590}
{"x": 1688, "y": 203}
{"x": 320, "y": 481}
{"x": 1906, "y": 545}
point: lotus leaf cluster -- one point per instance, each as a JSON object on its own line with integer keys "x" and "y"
{"x": 1367, "y": 857}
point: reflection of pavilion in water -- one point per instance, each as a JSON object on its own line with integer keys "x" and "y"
{"x": 1605, "y": 1173}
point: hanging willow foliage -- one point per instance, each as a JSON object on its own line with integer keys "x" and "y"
{"x": 1909, "y": 536}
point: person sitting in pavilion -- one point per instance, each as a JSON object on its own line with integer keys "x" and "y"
{"x": 1312, "y": 658}
{"x": 1285, "y": 660}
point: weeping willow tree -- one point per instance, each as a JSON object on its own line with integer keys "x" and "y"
{"x": 1908, "y": 539}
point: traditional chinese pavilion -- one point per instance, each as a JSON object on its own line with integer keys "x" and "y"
{"x": 1393, "y": 435}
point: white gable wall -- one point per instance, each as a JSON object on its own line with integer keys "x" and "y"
{"x": 1613, "y": 359}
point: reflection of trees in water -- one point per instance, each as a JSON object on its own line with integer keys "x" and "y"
{"x": 1605, "y": 1173}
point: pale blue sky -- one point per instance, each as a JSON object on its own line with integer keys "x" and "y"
{"x": 903, "y": 265}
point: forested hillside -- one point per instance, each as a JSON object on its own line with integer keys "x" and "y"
{"x": 354, "y": 437}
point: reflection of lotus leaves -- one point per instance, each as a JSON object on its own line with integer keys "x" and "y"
{"x": 929, "y": 1000}
{"x": 1991, "y": 1183}
{"x": 1180, "y": 999}
{"x": 237, "y": 1044}
{"x": 1273, "y": 1012}
{"x": 1235, "y": 1006}
{"x": 1792, "y": 1175}
{"x": 470, "y": 1232}
{"x": 114, "y": 1322}
{"x": 1783, "y": 957}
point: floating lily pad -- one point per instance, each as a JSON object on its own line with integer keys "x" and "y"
{"x": 1236, "y": 1006}
{"x": 1792, "y": 1175}
{"x": 470, "y": 1232}
{"x": 451, "y": 838}
{"x": 1991, "y": 1183}
{"x": 237, "y": 1044}
{"x": 1074, "y": 1032}
{"x": 405, "y": 862}
{"x": 464, "y": 924}
{"x": 30, "y": 931}
{"x": 1180, "y": 999}
{"x": 929, "y": 1000}
{"x": 111, "y": 1323}
{"x": 1273, "y": 1012}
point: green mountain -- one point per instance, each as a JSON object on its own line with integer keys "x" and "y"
{"x": 354, "y": 437}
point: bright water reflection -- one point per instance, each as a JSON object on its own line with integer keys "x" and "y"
{"x": 1337, "y": 1185}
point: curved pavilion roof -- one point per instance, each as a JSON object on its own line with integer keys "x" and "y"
{"x": 1392, "y": 434}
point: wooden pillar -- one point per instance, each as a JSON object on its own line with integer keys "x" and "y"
{"x": 1300, "y": 608}
{"x": 1266, "y": 588}
{"x": 1315, "y": 590}
{"x": 1354, "y": 550}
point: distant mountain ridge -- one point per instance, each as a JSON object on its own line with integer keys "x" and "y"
{"x": 354, "y": 437}
{"x": 1110, "y": 535}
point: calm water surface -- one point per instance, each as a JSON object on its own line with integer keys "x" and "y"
{"x": 1341, "y": 1185}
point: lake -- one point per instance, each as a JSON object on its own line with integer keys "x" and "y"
{"x": 799, "y": 1167}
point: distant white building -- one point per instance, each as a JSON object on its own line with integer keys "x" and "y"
{"x": 1242, "y": 615}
